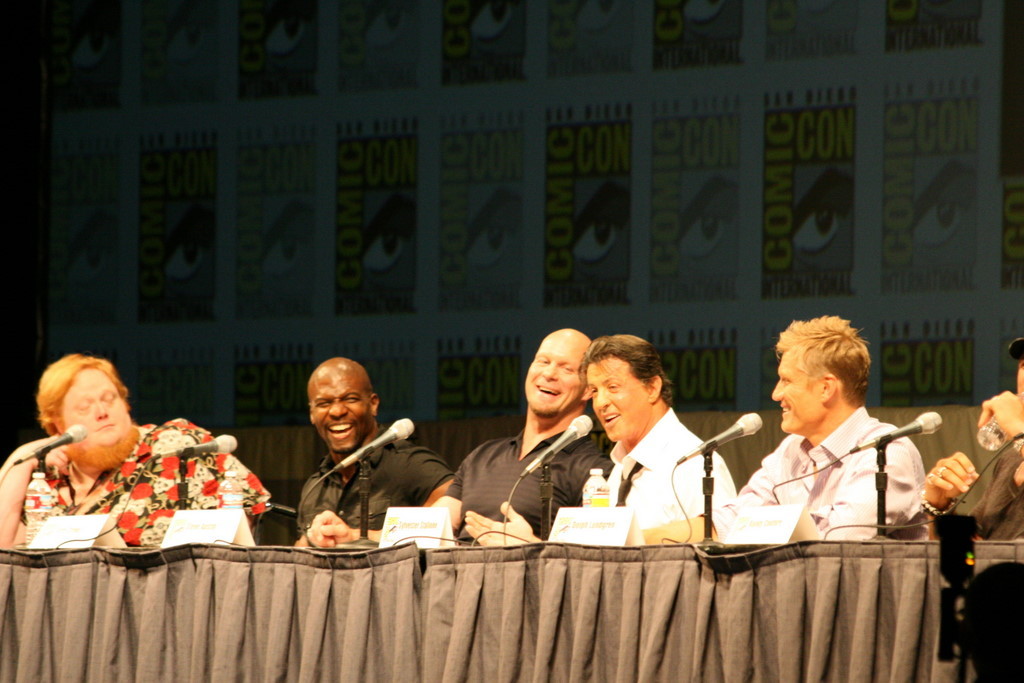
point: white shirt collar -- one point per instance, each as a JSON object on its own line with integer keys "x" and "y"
{"x": 655, "y": 451}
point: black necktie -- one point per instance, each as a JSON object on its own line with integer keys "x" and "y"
{"x": 627, "y": 483}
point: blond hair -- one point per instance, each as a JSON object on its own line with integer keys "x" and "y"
{"x": 830, "y": 345}
{"x": 58, "y": 378}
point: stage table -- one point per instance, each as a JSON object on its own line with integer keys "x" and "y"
{"x": 838, "y": 611}
{"x": 209, "y": 613}
{"x": 812, "y": 611}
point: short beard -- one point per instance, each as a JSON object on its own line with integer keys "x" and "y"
{"x": 546, "y": 412}
{"x": 338, "y": 456}
{"x": 104, "y": 458}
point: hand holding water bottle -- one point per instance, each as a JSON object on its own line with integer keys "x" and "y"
{"x": 1002, "y": 417}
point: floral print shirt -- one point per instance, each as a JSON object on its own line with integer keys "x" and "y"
{"x": 143, "y": 491}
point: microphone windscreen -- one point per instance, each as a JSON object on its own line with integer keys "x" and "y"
{"x": 226, "y": 443}
{"x": 582, "y": 424}
{"x": 77, "y": 433}
{"x": 403, "y": 428}
{"x": 929, "y": 422}
{"x": 751, "y": 422}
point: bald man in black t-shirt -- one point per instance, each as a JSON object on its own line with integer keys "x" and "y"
{"x": 555, "y": 396}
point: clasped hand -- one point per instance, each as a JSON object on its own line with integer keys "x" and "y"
{"x": 489, "y": 532}
{"x": 328, "y": 531}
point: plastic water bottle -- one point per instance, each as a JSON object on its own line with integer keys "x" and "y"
{"x": 230, "y": 493}
{"x": 39, "y": 502}
{"x": 595, "y": 491}
{"x": 991, "y": 436}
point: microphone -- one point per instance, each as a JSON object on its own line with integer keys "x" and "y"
{"x": 400, "y": 429}
{"x": 279, "y": 508}
{"x": 225, "y": 443}
{"x": 745, "y": 426}
{"x": 74, "y": 434}
{"x": 577, "y": 429}
{"x": 926, "y": 423}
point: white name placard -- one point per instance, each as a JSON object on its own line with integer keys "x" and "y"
{"x": 208, "y": 526}
{"x": 426, "y": 527}
{"x": 596, "y": 526}
{"x": 773, "y": 524}
{"x": 78, "y": 531}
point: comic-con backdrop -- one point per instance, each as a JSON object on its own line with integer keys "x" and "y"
{"x": 242, "y": 189}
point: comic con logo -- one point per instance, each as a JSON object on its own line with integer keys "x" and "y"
{"x": 177, "y": 227}
{"x": 481, "y": 211}
{"x": 271, "y": 393}
{"x": 587, "y": 212}
{"x": 699, "y": 149}
{"x": 275, "y": 244}
{"x": 799, "y": 229}
{"x": 702, "y": 376}
{"x": 84, "y": 237}
{"x": 175, "y": 389}
{"x": 376, "y": 220}
{"x": 923, "y": 214}
{"x": 478, "y": 385}
{"x": 927, "y": 372}
{"x": 1012, "y": 252}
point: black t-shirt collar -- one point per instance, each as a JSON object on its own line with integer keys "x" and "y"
{"x": 328, "y": 463}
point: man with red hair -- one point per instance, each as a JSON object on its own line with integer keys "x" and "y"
{"x": 119, "y": 467}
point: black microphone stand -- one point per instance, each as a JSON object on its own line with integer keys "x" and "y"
{"x": 709, "y": 490}
{"x": 364, "y": 502}
{"x": 183, "y": 458}
{"x": 364, "y": 507}
{"x": 545, "y": 500}
{"x": 881, "y": 484}
{"x": 182, "y": 479}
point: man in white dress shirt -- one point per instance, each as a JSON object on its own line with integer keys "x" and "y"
{"x": 632, "y": 399}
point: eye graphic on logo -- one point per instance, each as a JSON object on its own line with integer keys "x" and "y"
{"x": 492, "y": 229}
{"x": 389, "y": 234}
{"x": 944, "y": 207}
{"x": 708, "y": 217}
{"x": 601, "y": 222}
{"x": 384, "y": 252}
{"x": 93, "y": 35}
{"x": 597, "y": 240}
{"x": 702, "y": 11}
{"x": 823, "y": 211}
{"x": 287, "y": 23}
{"x": 185, "y": 43}
{"x": 492, "y": 20}
{"x": 190, "y": 244}
{"x": 596, "y": 14}
{"x": 385, "y": 28}
{"x": 288, "y": 239}
{"x": 188, "y": 29}
{"x": 91, "y": 249}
